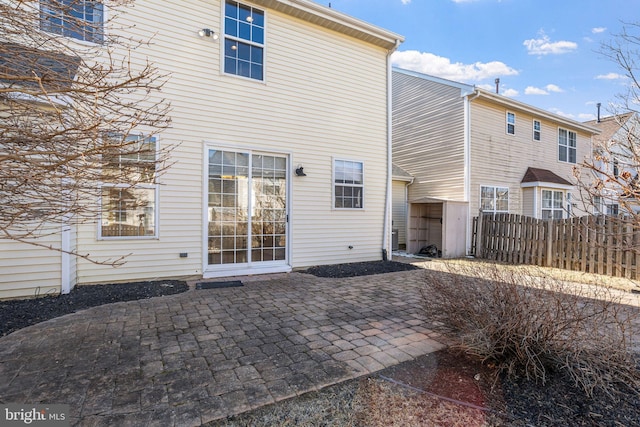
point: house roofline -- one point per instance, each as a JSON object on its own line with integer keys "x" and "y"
{"x": 465, "y": 89}
{"x": 332, "y": 19}
{"x": 517, "y": 105}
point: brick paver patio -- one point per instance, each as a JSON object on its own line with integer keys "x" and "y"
{"x": 191, "y": 358}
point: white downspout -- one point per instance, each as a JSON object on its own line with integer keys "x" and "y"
{"x": 386, "y": 229}
{"x": 467, "y": 164}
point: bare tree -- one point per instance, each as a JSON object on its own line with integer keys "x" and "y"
{"x": 76, "y": 111}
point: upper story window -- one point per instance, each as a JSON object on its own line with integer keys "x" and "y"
{"x": 243, "y": 40}
{"x": 494, "y": 199}
{"x": 536, "y": 130}
{"x": 79, "y": 19}
{"x": 511, "y": 123}
{"x": 567, "y": 146}
{"x": 552, "y": 204}
{"x": 348, "y": 178}
{"x": 129, "y": 210}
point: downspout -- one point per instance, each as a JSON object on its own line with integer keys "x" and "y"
{"x": 467, "y": 164}
{"x": 386, "y": 244}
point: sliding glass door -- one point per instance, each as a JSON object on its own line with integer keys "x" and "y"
{"x": 247, "y": 208}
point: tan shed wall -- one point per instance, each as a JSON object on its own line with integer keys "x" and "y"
{"x": 400, "y": 210}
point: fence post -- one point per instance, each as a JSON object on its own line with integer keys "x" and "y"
{"x": 549, "y": 243}
{"x": 479, "y": 239}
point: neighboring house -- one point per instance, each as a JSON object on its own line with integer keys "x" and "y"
{"x": 613, "y": 157}
{"x": 469, "y": 149}
{"x": 281, "y": 121}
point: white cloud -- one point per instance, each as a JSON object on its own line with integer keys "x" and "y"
{"x": 439, "y": 66}
{"x": 583, "y": 117}
{"x": 598, "y": 30}
{"x": 530, "y": 90}
{"x": 511, "y": 93}
{"x": 611, "y": 76}
{"x": 562, "y": 113}
{"x": 553, "y": 88}
{"x": 463, "y": 1}
{"x": 406, "y": 1}
{"x": 544, "y": 46}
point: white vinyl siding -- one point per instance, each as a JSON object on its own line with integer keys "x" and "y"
{"x": 330, "y": 93}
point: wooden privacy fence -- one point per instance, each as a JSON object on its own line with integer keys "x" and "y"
{"x": 595, "y": 244}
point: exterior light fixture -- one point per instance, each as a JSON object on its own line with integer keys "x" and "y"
{"x": 300, "y": 171}
{"x": 206, "y": 32}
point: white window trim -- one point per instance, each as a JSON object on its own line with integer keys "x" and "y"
{"x": 333, "y": 184}
{"x": 223, "y": 36}
{"x": 539, "y": 131}
{"x": 156, "y": 210}
{"x": 508, "y": 123}
{"x": 567, "y": 146}
{"x": 495, "y": 188}
{"x": 552, "y": 209}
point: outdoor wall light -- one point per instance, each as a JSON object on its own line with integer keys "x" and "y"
{"x": 300, "y": 171}
{"x": 206, "y": 32}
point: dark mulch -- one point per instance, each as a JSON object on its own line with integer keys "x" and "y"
{"x": 354, "y": 269}
{"x": 18, "y": 314}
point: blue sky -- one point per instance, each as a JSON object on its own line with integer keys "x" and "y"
{"x": 545, "y": 52}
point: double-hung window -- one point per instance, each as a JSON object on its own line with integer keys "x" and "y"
{"x": 348, "y": 178}
{"x": 552, "y": 204}
{"x": 129, "y": 191}
{"x": 567, "y": 146}
{"x": 78, "y": 19}
{"x": 494, "y": 199}
{"x": 511, "y": 123}
{"x": 536, "y": 130}
{"x": 243, "y": 40}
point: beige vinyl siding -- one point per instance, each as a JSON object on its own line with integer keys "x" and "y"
{"x": 399, "y": 189}
{"x": 29, "y": 271}
{"x": 498, "y": 159}
{"x": 528, "y": 203}
{"x": 323, "y": 97}
{"x": 428, "y": 136}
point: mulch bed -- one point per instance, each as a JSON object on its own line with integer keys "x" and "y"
{"x": 18, "y": 314}
{"x": 355, "y": 269}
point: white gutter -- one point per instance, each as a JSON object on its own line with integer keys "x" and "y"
{"x": 386, "y": 229}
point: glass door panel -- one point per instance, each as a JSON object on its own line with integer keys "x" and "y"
{"x": 247, "y": 209}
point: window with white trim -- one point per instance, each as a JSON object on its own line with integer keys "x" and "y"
{"x": 494, "y": 199}
{"x": 552, "y": 204}
{"x": 567, "y": 146}
{"x": 348, "y": 178}
{"x": 511, "y": 123}
{"x": 127, "y": 210}
{"x": 537, "y": 127}
{"x": 78, "y": 19}
{"x": 243, "y": 40}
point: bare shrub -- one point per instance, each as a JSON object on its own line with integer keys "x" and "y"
{"x": 535, "y": 325}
